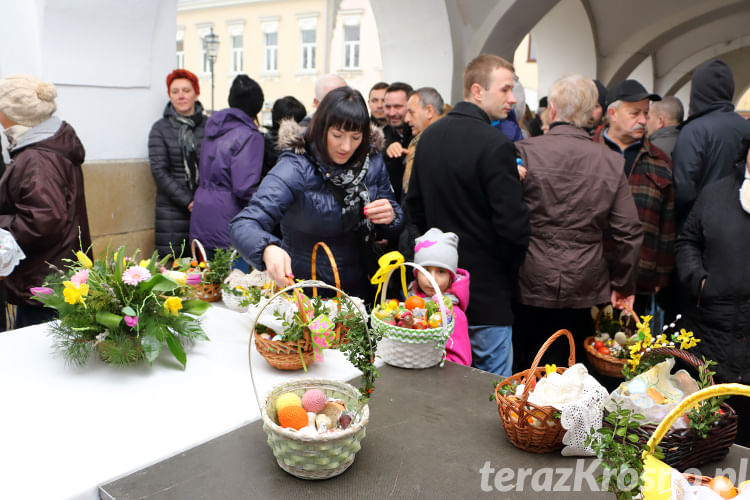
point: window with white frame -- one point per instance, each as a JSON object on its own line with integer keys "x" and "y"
{"x": 308, "y": 34}
{"x": 237, "y": 52}
{"x": 307, "y": 57}
{"x": 351, "y": 46}
{"x": 270, "y": 30}
{"x": 271, "y": 51}
{"x": 180, "y": 49}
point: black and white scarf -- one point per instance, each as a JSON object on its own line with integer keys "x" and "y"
{"x": 350, "y": 191}
{"x": 188, "y": 147}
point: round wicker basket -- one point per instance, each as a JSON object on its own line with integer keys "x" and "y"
{"x": 409, "y": 348}
{"x": 319, "y": 456}
{"x": 603, "y": 363}
{"x": 528, "y": 426}
{"x": 208, "y": 292}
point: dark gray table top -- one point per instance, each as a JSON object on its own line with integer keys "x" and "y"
{"x": 430, "y": 434}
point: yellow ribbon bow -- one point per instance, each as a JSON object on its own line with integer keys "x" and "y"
{"x": 388, "y": 263}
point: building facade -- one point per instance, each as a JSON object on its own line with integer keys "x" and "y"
{"x": 285, "y": 45}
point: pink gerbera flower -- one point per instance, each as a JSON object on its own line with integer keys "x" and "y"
{"x": 136, "y": 274}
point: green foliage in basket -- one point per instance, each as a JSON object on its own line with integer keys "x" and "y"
{"x": 248, "y": 295}
{"x": 620, "y": 453}
{"x": 360, "y": 347}
{"x": 294, "y": 326}
{"x": 704, "y": 417}
{"x": 124, "y": 309}
{"x": 218, "y": 268}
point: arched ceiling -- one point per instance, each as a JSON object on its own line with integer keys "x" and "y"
{"x": 677, "y": 35}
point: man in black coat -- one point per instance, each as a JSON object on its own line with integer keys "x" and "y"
{"x": 465, "y": 180}
{"x": 397, "y": 133}
{"x": 709, "y": 141}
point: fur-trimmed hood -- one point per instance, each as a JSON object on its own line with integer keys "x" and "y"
{"x": 292, "y": 137}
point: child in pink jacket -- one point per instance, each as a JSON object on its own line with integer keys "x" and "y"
{"x": 437, "y": 252}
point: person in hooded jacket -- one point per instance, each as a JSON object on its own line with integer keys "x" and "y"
{"x": 42, "y": 201}
{"x": 230, "y": 165}
{"x": 713, "y": 250}
{"x": 330, "y": 185}
{"x": 174, "y": 153}
{"x": 709, "y": 139}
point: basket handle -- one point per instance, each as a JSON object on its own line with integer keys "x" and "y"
{"x": 301, "y": 284}
{"x": 331, "y": 260}
{"x": 441, "y": 304}
{"x": 531, "y": 371}
{"x": 686, "y": 356}
{"x": 201, "y": 254}
{"x": 689, "y": 402}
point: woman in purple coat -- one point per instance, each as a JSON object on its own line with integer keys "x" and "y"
{"x": 230, "y": 165}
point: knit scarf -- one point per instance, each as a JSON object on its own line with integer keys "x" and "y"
{"x": 188, "y": 147}
{"x": 349, "y": 189}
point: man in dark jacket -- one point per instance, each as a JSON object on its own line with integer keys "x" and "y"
{"x": 649, "y": 173}
{"x": 42, "y": 201}
{"x": 664, "y": 119}
{"x": 709, "y": 141}
{"x": 397, "y": 133}
{"x": 465, "y": 180}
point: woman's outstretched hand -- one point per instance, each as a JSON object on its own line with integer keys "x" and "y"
{"x": 380, "y": 211}
{"x": 279, "y": 265}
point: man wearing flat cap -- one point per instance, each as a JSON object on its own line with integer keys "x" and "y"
{"x": 649, "y": 173}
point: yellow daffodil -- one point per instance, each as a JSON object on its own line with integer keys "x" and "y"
{"x": 84, "y": 260}
{"x": 550, "y": 369}
{"x": 75, "y": 293}
{"x": 172, "y": 305}
{"x": 202, "y": 265}
{"x": 144, "y": 263}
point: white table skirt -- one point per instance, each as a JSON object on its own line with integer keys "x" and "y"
{"x": 64, "y": 430}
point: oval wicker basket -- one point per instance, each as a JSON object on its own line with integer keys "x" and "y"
{"x": 407, "y": 347}
{"x": 683, "y": 448}
{"x": 603, "y": 363}
{"x": 320, "y": 456}
{"x": 528, "y": 426}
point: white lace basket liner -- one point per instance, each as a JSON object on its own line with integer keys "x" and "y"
{"x": 579, "y": 397}
{"x": 238, "y": 278}
{"x": 311, "y": 457}
{"x": 410, "y": 348}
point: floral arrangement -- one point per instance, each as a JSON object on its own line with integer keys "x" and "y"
{"x": 644, "y": 341}
{"x": 122, "y": 308}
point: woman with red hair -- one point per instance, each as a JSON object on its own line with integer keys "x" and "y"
{"x": 174, "y": 152}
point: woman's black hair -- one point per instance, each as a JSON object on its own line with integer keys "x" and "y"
{"x": 742, "y": 158}
{"x": 343, "y": 108}
{"x": 287, "y": 107}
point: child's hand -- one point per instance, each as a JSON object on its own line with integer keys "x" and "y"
{"x": 380, "y": 211}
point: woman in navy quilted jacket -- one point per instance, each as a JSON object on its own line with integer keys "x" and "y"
{"x": 330, "y": 185}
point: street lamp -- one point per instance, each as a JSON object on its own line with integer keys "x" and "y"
{"x": 211, "y": 46}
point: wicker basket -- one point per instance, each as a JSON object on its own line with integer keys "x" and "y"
{"x": 287, "y": 356}
{"x": 312, "y": 457}
{"x": 683, "y": 448}
{"x": 232, "y": 302}
{"x": 410, "y": 348}
{"x": 603, "y": 363}
{"x": 340, "y": 332}
{"x": 528, "y": 426}
{"x": 208, "y": 292}
{"x": 657, "y": 486}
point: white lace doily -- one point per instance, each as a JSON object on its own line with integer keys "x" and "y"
{"x": 579, "y": 398}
